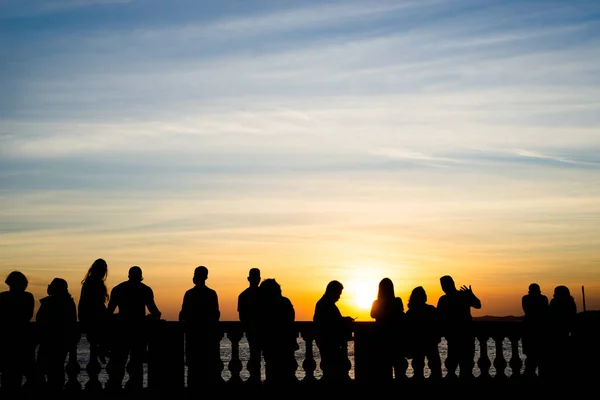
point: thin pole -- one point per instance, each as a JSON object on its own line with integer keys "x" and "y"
{"x": 583, "y": 295}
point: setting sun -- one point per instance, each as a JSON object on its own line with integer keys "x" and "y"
{"x": 362, "y": 293}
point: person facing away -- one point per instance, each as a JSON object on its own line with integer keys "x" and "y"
{"x": 131, "y": 297}
{"x": 278, "y": 334}
{"x": 92, "y": 312}
{"x": 454, "y": 307}
{"x": 332, "y": 332}
{"x": 423, "y": 331}
{"x": 17, "y": 351}
{"x": 200, "y": 313}
{"x": 562, "y": 311}
{"x": 248, "y": 311}
{"x": 388, "y": 311}
{"x": 535, "y": 307}
{"x": 58, "y": 333}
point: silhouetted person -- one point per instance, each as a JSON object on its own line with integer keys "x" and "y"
{"x": 423, "y": 327}
{"x": 388, "y": 312}
{"x": 92, "y": 312}
{"x": 332, "y": 332}
{"x": 562, "y": 312}
{"x": 535, "y": 307}
{"x": 248, "y": 311}
{"x": 455, "y": 312}
{"x": 131, "y": 297}
{"x": 277, "y": 334}
{"x": 58, "y": 333}
{"x": 200, "y": 313}
{"x": 17, "y": 351}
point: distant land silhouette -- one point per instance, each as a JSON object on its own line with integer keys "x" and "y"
{"x": 506, "y": 318}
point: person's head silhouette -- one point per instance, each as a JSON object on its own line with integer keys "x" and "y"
{"x": 98, "y": 269}
{"x": 17, "y": 281}
{"x": 254, "y": 276}
{"x": 135, "y": 274}
{"x": 334, "y": 290}
{"x": 534, "y": 288}
{"x": 200, "y": 274}
{"x": 270, "y": 288}
{"x": 417, "y": 297}
{"x": 386, "y": 289}
{"x": 562, "y": 291}
{"x": 58, "y": 288}
{"x": 447, "y": 284}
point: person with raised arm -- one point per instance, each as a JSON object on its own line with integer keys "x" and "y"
{"x": 454, "y": 307}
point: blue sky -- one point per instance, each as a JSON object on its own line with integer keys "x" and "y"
{"x": 437, "y": 129}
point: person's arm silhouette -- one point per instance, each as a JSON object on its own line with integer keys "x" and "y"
{"x": 113, "y": 302}
{"x": 152, "y": 305}
{"x": 474, "y": 301}
{"x": 183, "y": 314}
{"x": 29, "y": 306}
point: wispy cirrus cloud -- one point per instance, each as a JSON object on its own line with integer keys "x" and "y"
{"x": 464, "y": 126}
{"x": 18, "y": 8}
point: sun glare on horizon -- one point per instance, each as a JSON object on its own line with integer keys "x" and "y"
{"x": 362, "y": 293}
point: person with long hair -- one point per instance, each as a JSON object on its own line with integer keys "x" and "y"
{"x": 388, "y": 311}
{"x": 92, "y": 309}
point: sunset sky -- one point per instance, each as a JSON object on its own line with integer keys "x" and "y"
{"x": 315, "y": 140}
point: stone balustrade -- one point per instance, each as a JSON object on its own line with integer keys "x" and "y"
{"x": 498, "y": 356}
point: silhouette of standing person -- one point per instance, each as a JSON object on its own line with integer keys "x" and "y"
{"x": 332, "y": 332}
{"x": 535, "y": 307}
{"x": 277, "y": 334}
{"x": 388, "y": 312}
{"x": 248, "y": 311}
{"x": 454, "y": 307}
{"x": 423, "y": 327}
{"x": 200, "y": 313}
{"x": 17, "y": 350}
{"x": 562, "y": 311}
{"x": 131, "y": 297}
{"x": 59, "y": 333}
{"x": 92, "y": 313}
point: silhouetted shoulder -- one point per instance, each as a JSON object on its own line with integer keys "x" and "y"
{"x": 16, "y": 307}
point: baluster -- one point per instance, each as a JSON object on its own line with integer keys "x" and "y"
{"x": 309, "y": 365}
{"x": 93, "y": 369}
{"x": 515, "y": 360}
{"x": 235, "y": 364}
{"x": 450, "y": 366}
{"x": 500, "y": 362}
{"x": 296, "y": 369}
{"x": 402, "y": 367}
{"x": 484, "y": 362}
{"x": 73, "y": 369}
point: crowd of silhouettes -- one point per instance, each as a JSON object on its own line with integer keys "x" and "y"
{"x": 116, "y": 326}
